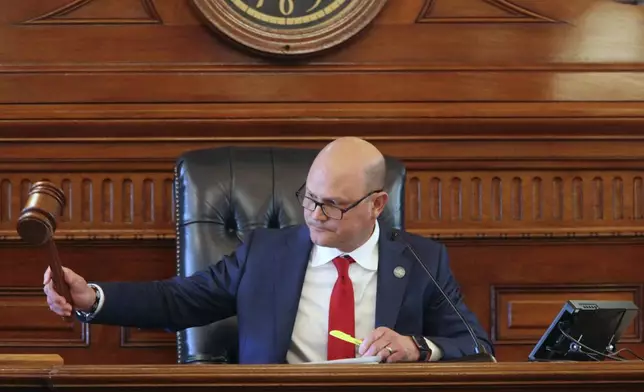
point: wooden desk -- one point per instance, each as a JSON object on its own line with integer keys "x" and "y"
{"x": 551, "y": 377}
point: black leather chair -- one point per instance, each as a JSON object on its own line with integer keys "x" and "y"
{"x": 223, "y": 193}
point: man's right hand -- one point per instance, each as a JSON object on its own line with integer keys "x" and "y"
{"x": 83, "y": 296}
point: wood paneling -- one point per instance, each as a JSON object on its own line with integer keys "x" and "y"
{"x": 339, "y": 87}
{"x": 136, "y": 337}
{"x": 494, "y": 273}
{"x": 522, "y": 313}
{"x": 160, "y": 53}
{"x": 520, "y": 122}
{"x": 34, "y": 329}
{"x": 27, "y": 322}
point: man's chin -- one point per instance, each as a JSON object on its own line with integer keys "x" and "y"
{"x": 322, "y": 238}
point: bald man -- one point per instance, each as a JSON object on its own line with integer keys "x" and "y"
{"x": 291, "y": 287}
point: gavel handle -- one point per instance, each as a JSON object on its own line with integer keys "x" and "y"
{"x": 58, "y": 276}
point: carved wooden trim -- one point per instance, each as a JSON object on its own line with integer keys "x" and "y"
{"x": 64, "y": 15}
{"x": 487, "y": 203}
{"x": 514, "y": 13}
{"x": 115, "y": 204}
{"x": 613, "y": 127}
{"x": 517, "y": 115}
{"x": 352, "y": 68}
{"x": 118, "y": 199}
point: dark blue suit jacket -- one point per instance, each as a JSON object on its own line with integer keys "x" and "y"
{"x": 261, "y": 283}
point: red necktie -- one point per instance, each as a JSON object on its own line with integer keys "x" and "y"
{"x": 342, "y": 311}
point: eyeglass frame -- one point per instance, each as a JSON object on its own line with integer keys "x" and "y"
{"x": 321, "y": 205}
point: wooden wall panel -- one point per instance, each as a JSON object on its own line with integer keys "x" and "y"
{"x": 28, "y": 322}
{"x": 496, "y": 273}
{"x": 29, "y": 326}
{"x": 521, "y": 313}
{"x": 145, "y": 338}
{"x": 520, "y": 123}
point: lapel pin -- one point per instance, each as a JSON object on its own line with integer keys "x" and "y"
{"x": 399, "y": 272}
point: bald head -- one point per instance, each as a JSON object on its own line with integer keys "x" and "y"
{"x": 344, "y": 177}
{"x": 352, "y": 159}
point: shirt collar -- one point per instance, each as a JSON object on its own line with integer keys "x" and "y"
{"x": 366, "y": 255}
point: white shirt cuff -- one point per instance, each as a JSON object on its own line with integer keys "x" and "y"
{"x": 437, "y": 353}
{"x": 101, "y": 300}
{"x": 87, "y": 317}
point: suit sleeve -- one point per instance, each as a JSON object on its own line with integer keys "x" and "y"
{"x": 442, "y": 326}
{"x": 177, "y": 303}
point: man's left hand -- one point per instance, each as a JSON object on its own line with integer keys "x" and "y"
{"x": 390, "y": 346}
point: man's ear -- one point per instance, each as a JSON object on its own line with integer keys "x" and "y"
{"x": 379, "y": 203}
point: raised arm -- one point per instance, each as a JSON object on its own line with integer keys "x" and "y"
{"x": 173, "y": 304}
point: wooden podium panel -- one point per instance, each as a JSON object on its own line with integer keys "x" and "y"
{"x": 463, "y": 377}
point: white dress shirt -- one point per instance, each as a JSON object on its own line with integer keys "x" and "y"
{"x": 311, "y": 330}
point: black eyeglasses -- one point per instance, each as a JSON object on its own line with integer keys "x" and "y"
{"x": 331, "y": 211}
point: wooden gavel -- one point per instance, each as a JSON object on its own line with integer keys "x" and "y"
{"x": 37, "y": 225}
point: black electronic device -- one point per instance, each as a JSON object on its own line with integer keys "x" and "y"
{"x": 585, "y": 330}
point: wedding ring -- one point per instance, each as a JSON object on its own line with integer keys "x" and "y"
{"x": 390, "y": 350}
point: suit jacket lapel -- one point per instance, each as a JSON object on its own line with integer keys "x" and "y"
{"x": 391, "y": 286}
{"x": 291, "y": 262}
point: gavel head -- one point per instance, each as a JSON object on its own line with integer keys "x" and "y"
{"x": 37, "y": 221}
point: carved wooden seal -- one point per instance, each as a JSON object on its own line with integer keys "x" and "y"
{"x": 289, "y": 27}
